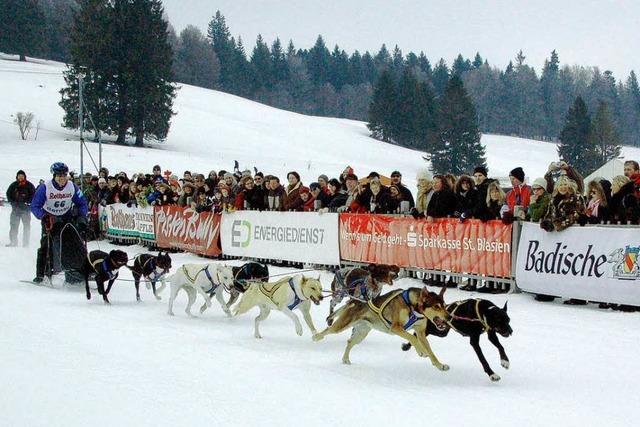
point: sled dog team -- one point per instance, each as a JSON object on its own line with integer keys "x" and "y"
{"x": 412, "y": 314}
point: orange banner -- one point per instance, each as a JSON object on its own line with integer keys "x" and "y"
{"x": 445, "y": 244}
{"x": 186, "y": 229}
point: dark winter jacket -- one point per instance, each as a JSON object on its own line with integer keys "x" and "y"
{"x": 20, "y": 194}
{"x": 624, "y": 206}
{"x": 467, "y": 203}
{"x": 275, "y": 199}
{"x": 405, "y": 194}
{"x": 487, "y": 213}
{"x": 442, "y": 204}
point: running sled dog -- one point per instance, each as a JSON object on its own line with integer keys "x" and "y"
{"x": 284, "y": 295}
{"x": 103, "y": 268}
{"x": 203, "y": 279}
{"x": 394, "y": 313}
{"x": 153, "y": 269}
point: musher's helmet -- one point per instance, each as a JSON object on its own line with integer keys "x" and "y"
{"x": 59, "y": 168}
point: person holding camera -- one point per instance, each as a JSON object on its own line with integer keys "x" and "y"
{"x": 518, "y": 199}
{"x": 57, "y": 203}
{"x": 562, "y": 168}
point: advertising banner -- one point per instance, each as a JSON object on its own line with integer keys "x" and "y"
{"x": 594, "y": 263}
{"x": 120, "y": 220}
{"x": 186, "y": 229}
{"x": 292, "y": 236}
{"x": 445, "y": 244}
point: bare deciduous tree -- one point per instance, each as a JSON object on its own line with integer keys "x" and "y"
{"x": 24, "y": 122}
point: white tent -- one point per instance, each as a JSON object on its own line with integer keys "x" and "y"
{"x": 607, "y": 171}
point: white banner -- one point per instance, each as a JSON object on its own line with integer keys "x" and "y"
{"x": 292, "y": 236}
{"x": 594, "y": 263}
{"x": 120, "y": 220}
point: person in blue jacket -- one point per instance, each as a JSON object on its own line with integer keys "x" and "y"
{"x": 56, "y": 202}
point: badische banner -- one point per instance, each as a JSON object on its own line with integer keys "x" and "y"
{"x": 292, "y": 236}
{"x": 591, "y": 263}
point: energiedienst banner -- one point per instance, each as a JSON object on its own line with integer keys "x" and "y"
{"x": 186, "y": 229}
{"x": 445, "y": 244}
{"x": 292, "y": 236}
{"x": 591, "y": 263}
{"x": 120, "y": 220}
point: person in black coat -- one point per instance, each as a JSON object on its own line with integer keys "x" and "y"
{"x": 443, "y": 201}
{"x": 19, "y": 195}
{"x": 466, "y": 198}
{"x": 624, "y": 207}
{"x": 396, "y": 179}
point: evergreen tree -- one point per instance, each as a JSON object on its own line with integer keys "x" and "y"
{"x": 575, "y": 147}
{"x": 460, "y": 66}
{"x": 59, "y": 21}
{"x": 413, "y": 118}
{"x": 195, "y": 63}
{"x": 477, "y": 61}
{"x": 382, "y": 107}
{"x": 338, "y": 68}
{"x": 440, "y": 77}
{"x": 603, "y": 137}
{"x": 22, "y": 25}
{"x": 382, "y": 59}
{"x": 279, "y": 62}
{"x": 552, "y": 98}
{"x": 126, "y": 57}
{"x": 630, "y": 111}
{"x": 425, "y": 66}
{"x": 456, "y": 146}
{"x": 262, "y": 65}
{"x": 318, "y": 62}
{"x": 220, "y": 39}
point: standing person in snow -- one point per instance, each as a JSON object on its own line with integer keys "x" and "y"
{"x": 19, "y": 194}
{"x": 56, "y": 203}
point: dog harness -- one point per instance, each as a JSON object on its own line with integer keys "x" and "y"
{"x": 270, "y": 292}
{"x": 456, "y": 305}
{"x": 345, "y": 288}
{"x": 413, "y": 317}
{"x": 193, "y": 279}
{"x": 104, "y": 265}
{"x": 379, "y": 310}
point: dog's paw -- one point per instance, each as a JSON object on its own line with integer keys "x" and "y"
{"x": 443, "y": 367}
{"x": 258, "y": 336}
{"x": 138, "y": 299}
{"x": 317, "y": 337}
{"x": 505, "y": 364}
{"x": 299, "y": 331}
{"x": 346, "y": 361}
{"x": 158, "y": 297}
{"x": 494, "y": 377}
{"x": 148, "y": 286}
{"x": 228, "y": 313}
{"x": 202, "y": 309}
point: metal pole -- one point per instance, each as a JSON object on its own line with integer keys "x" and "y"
{"x": 81, "y": 126}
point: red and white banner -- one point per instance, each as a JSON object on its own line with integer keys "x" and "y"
{"x": 186, "y": 229}
{"x": 445, "y": 244}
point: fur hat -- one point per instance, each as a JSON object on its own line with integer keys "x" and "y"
{"x": 323, "y": 176}
{"x": 424, "y": 174}
{"x": 517, "y": 173}
{"x": 351, "y": 176}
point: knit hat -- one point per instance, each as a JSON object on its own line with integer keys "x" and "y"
{"x": 351, "y": 176}
{"x": 323, "y": 176}
{"x": 21, "y": 172}
{"x": 539, "y": 182}
{"x": 348, "y": 170}
{"x": 517, "y": 173}
{"x": 304, "y": 190}
{"x": 482, "y": 170}
{"x": 102, "y": 181}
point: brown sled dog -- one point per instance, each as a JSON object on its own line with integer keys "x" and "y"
{"x": 394, "y": 313}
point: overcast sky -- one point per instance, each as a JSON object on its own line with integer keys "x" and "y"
{"x": 605, "y": 33}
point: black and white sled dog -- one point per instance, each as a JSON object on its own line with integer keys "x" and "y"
{"x": 154, "y": 269}
{"x": 103, "y": 267}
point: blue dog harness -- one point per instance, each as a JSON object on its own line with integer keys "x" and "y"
{"x": 413, "y": 317}
{"x": 296, "y": 300}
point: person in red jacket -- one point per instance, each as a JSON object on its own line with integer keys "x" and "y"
{"x": 520, "y": 195}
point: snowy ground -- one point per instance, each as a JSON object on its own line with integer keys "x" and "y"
{"x": 65, "y": 361}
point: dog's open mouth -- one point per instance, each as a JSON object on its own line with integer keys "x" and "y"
{"x": 315, "y": 300}
{"x": 440, "y": 323}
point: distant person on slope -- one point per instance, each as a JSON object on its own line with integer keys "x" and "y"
{"x": 19, "y": 194}
{"x": 56, "y": 203}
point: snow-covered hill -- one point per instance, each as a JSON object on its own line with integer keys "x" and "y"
{"x": 66, "y": 361}
{"x": 211, "y": 129}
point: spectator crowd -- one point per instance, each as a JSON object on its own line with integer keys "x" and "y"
{"x": 556, "y": 201}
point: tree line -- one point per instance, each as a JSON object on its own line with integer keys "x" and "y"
{"x": 318, "y": 81}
